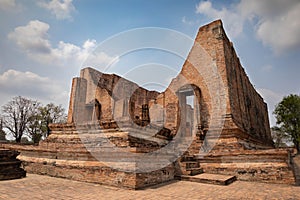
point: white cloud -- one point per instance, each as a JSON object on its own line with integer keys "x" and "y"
{"x": 232, "y": 21}
{"x": 33, "y": 39}
{"x": 60, "y": 8}
{"x": 281, "y": 31}
{"x": 14, "y": 83}
{"x": 100, "y": 60}
{"x": 89, "y": 44}
{"x": 276, "y": 22}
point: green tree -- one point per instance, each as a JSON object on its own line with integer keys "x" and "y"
{"x": 35, "y": 128}
{"x": 280, "y": 138}
{"x": 2, "y": 132}
{"x": 38, "y": 126}
{"x": 287, "y": 114}
{"x": 51, "y": 114}
{"x": 16, "y": 115}
{"x": 24, "y": 116}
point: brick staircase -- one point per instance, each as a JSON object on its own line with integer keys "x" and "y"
{"x": 189, "y": 166}
{"x": 191, "y": 171}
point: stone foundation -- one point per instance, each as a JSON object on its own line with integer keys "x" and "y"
{"x": 64, "y": 154}
{"x": 10, "y": 165}
{"x": 96, "y": 172}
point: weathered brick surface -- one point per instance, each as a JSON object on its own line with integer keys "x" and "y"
{"x": 96, "y": 172}
{"x": 118, "y": 98}
{"x": 69, "y": 152}
{"x": 272, "y": 166}
{"x": 121, "y": 99}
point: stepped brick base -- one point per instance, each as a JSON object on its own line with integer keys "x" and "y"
{"x": 270, "y": 166}
{"x": 96, "y": 172}
{"x": 64, "y": 154}
{"x": 10, "y": 165}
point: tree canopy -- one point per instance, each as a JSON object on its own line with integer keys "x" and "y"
{"x": 16, "y": 115}
{"x": 51, "y": 114}
{"x": 22, "y": 116}
{"x": 280, "y": 138}
{"x": 287, "y": 113}
{"x": 2, "y": 133}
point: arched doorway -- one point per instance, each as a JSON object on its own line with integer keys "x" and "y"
{"x": 189, "y": 97}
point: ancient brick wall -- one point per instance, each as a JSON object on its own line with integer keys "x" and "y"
{"x": 245, "y": 108}
{"x": 248, "y": 109}
{"x": 114, "y": 97}
{"x": 212, "y": 69}
{"x": 77, "y": 99}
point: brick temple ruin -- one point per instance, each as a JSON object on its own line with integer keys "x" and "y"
{"x": 123, "y": 135}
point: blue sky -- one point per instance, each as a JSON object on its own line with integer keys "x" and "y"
{"x": 45, "y": 43}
